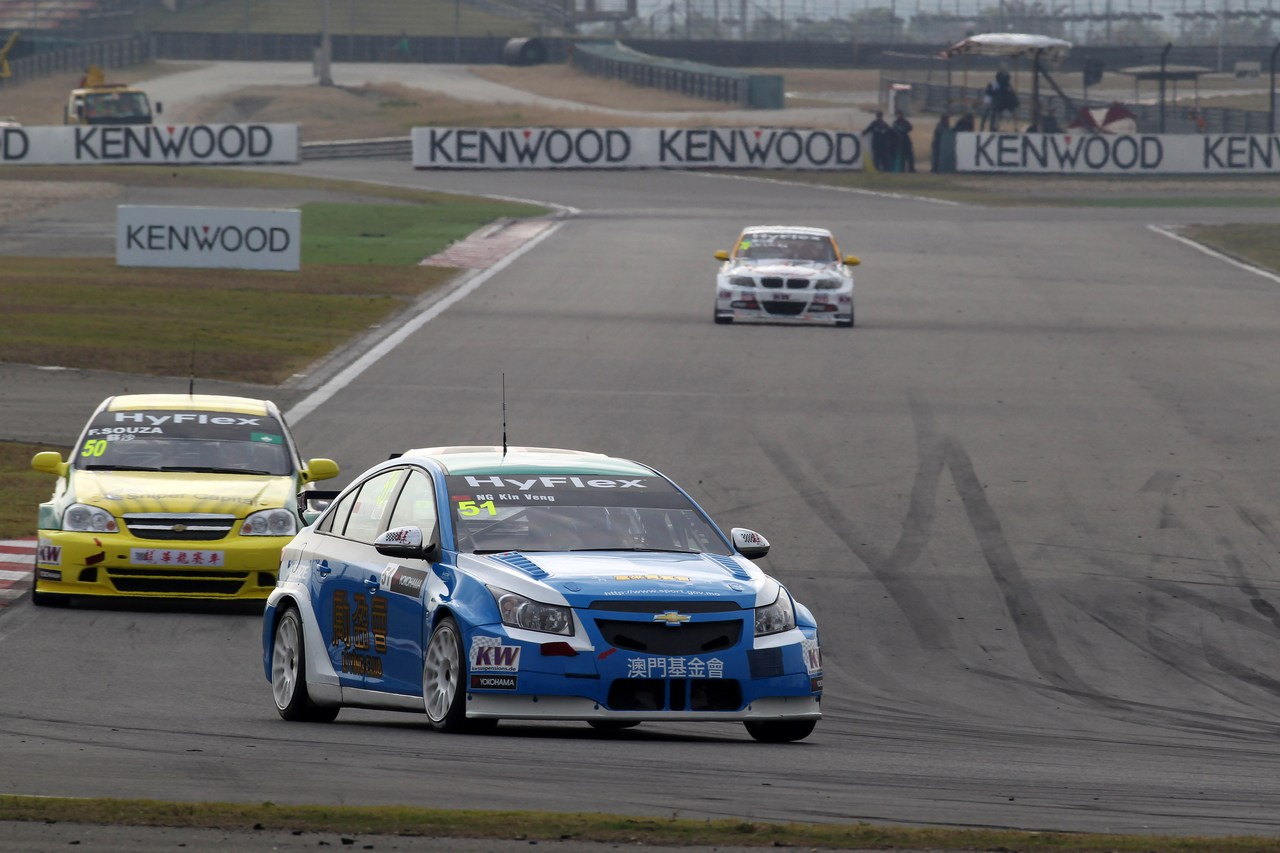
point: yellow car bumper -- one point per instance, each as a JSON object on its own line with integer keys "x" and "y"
{"x": 117, "y": 564}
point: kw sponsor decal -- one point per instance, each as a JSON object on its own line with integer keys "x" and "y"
{"x": 495, "y": 682}
{"x": 812, "y": 656}
{"x": 635, "y": 148}
{"x": 48, "y": 553}
{"x": 488, "y": 654}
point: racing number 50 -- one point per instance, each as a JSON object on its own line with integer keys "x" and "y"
{"x": 471, "y": 508}
{"x": 94, "y": 447}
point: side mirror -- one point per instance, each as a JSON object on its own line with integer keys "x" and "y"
{"x": 312, "y": 502}
{"x": 405, "y": 542}
{"x": 852, "y": 260}
{"x": 749, "y": 543}
{"x": 319, "y": 469}
{"x": 50, "y": 462}
{"x": 722, "y": 255}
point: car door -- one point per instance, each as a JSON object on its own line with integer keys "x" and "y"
{"x": 348, "y": 569}
{"x": 404, "y": 585}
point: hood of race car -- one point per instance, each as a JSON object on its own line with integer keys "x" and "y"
{"x": 782, "y": 268}
{"x": 121, "y": 492}
{"x": 591, "y": 576}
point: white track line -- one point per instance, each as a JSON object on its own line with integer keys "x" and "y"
{"x": 1213, "y": 253}
{"x": 346, "y": 376}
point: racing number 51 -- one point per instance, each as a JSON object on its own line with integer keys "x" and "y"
{"x": 471, "y": 508}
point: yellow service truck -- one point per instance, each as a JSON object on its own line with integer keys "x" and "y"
{"x": 96, "y": 101}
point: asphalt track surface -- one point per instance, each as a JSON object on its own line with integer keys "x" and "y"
{"x": 1030, "y": 499}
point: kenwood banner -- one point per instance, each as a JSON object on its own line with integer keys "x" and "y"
{"x": 221, "y": 237}
{"x": 635, "y": 148}
{"x": 1113, "y": 154}
{"x": 150, "y": 143}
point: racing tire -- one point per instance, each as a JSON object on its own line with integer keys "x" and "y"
{"x": 721, "y": 321}
{"x": 612, "y": 725}
{"x": 444, "y": 674}
{"x": 45, "y": 599}
{"x": 289, "y": 674}
{"x": 780, "y": 731}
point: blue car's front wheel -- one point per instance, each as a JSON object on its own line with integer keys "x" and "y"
{"x": 443, "y": 674}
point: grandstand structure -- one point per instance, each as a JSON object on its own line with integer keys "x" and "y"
{"x": 932, "y": 22}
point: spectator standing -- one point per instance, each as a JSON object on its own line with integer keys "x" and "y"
{"x": 943, "y": 136}
{"x": 964, "y": 124}
{"x": 906, "y": 148}
{"x": 881, "y": 142}
{"x": 998, "y": 98}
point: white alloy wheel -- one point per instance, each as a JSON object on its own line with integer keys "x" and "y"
{"x": 443, "y": 671}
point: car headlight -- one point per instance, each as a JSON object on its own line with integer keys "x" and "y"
{"x": 270, "y": 522}
{"x": 521, "y": 612}
{"x": 83, "y": 518}
{"x": 829, "y": 283}
{"x": 777, "y": 617}
{"x": 742, "y": 281}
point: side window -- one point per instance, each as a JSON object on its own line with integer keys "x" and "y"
{"x": 335, "y": 520}
{"x": 372, "y": 504}
{"x": 416, "y": 505}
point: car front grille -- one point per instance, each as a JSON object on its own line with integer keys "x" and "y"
{"x": 783, "y": 309}
{"x": 691, "y": 638}
{"x": 172, "y": 527}
{"x": 677, "y": 694}
{"x": 209, "y": 582}
{"x": 776, "y": 282}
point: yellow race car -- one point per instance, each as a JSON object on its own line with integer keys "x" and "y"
{"x": 172, "y": 495}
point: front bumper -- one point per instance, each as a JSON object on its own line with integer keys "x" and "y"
{"x": 824, "y": 308}
{"x": 119, "y": 564}
{"x": 780, "y": 681}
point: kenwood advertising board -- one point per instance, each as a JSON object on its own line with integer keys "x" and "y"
{"x": 635, "y": 148}
{"x": 1119, "y": 154}
{"x": 176, "y": 144}
{"x": 208, "y": 237}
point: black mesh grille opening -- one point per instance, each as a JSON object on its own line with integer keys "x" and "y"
{"x": 771, "y": 281}
{"x": 784, "y": 309}
{"x": 797, "y": 283}
{"x": 638, "y": 694}
{"x": 691, "y": 638}
{"x": 177, "y": 586}
{"x": 714, "y": 694}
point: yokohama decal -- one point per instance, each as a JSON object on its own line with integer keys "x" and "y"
{"x": 635, "y": 148}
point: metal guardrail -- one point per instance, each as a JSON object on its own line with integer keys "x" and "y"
{"x": 395, "y": 147}
{"x": 619, "y": 62}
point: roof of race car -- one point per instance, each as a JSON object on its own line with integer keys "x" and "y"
{"x": 526, "y": 460}
{"x": 793, "y": 229}
{"x": 188, "y": 402}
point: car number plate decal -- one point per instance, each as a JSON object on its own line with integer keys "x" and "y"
{"x": 174, "y": 557}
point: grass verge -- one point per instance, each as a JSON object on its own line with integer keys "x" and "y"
{"x": 22, "y": 488}
{"x": 603, "y": 828}
{"x": 1256, "y": 244}
{"x": 359, "y": 266}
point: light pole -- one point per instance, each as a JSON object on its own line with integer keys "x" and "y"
{"x": 322, "y": 59}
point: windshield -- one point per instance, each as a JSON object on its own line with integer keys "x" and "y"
{"x": 584, "y": 512}
{"x": 210, "y": 442}
{"x": 786, "y": 245}
{"x": 116, "y": 108}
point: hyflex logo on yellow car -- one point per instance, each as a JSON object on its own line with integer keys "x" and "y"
{"x": 189, "y": 496}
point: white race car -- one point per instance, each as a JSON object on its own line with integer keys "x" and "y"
{"x": 785, "y": 274}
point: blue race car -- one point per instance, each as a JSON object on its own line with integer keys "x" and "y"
{"x": 478, "y": 584}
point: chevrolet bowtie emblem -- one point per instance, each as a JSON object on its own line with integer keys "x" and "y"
{"x": 672, "y": 618}
{"x": 179, "y": 528}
